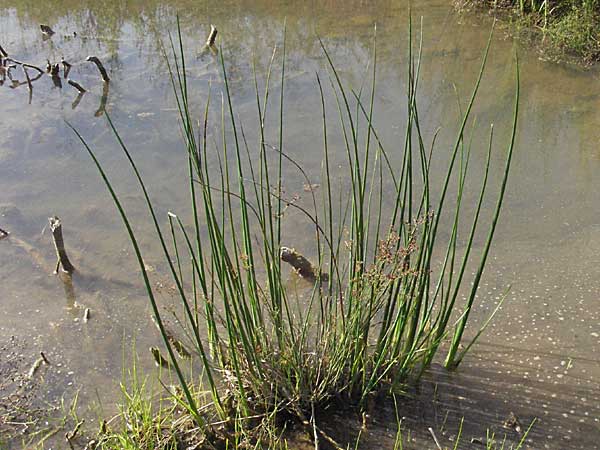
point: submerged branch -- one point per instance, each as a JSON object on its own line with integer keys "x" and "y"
{"x": 76, "y": 86}
{"x": 100, "y": 67}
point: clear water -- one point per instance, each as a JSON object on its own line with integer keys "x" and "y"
{"x": 539, "y": 357}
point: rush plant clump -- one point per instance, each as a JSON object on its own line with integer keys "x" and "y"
{"x": 382, "y": 301}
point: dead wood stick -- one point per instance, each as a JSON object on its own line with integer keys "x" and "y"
{"x": 44, "y": 358}
{"x": 31, "y": 66}
{"x": 437, "y": 443}
{"x": 66, "y": 67}
{"x": 69, "y": 436}
{"x": 76, "y": 86}
{"x": 3, "y": 233}
{"x": 24, "y": 64}
{"x": 8, "y": 69}
{"x": 210, "y": 41}
{"x": 28, "y": 79}
{"x": 103, "y": 100}
{"x": 3, "y": 52}
{"x": 59, "y": 245}
{"x": 77, "y": 100}
{"x": 46, "y": 29}
{"x": 101, "y": 68}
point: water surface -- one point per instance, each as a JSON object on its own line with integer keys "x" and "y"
{"x": 539, "y": 357}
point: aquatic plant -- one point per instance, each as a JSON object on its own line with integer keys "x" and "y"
{"x": 381, "y": 304}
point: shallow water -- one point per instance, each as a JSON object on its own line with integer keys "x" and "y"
{"x": 539, "y": 357}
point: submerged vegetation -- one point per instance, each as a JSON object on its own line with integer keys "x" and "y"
{"x": 387, "y": 292}
{"x": 564, "y": 27}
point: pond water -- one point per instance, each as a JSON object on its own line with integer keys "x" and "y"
{"x": 540, "y": 356}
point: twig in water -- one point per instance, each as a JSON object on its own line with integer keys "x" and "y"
{"x": 77, "y": 100}
{"x": 43, "y": 356}
{"x": 36, "y": 365}
{"x": 103, "y": 100}
{"x": 46, "y": 29}
{"x": 100, "y": 67}
{"x": 71, "y": 434}
{"x": 28, "y": 79}
{"x": 3, "y": 233}
{"x": 76, "y": 86}
{"x": 3, "y": 52}
{"x": 435, "y": 438}
{"x": 59, "y": 245}
{"x": 66, "y": 67}
{"x": 210, "y": 41}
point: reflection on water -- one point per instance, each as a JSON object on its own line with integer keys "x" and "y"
{"x": 540, "y": 356}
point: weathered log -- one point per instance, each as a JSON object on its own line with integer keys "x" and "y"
{"x": 100, "y": 67}
{"x": 59, "y": 245}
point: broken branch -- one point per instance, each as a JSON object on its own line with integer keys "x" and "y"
{"x": 59, "y": 245}
{"x": 101, "y": 68}
{"x": 66, "y": 67}
{"x": 210, "y": 41}
{"x": 76, "y": 86}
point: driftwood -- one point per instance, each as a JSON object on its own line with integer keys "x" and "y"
{"x": 3, "y": 233}
{"x": 3, "y": 52}
{"x": 59, "y": 245}
{"x": 100, "y": 67}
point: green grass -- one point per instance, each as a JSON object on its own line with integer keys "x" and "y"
{"x": 563, "y": 27}
{"x": 382, "y": 303}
